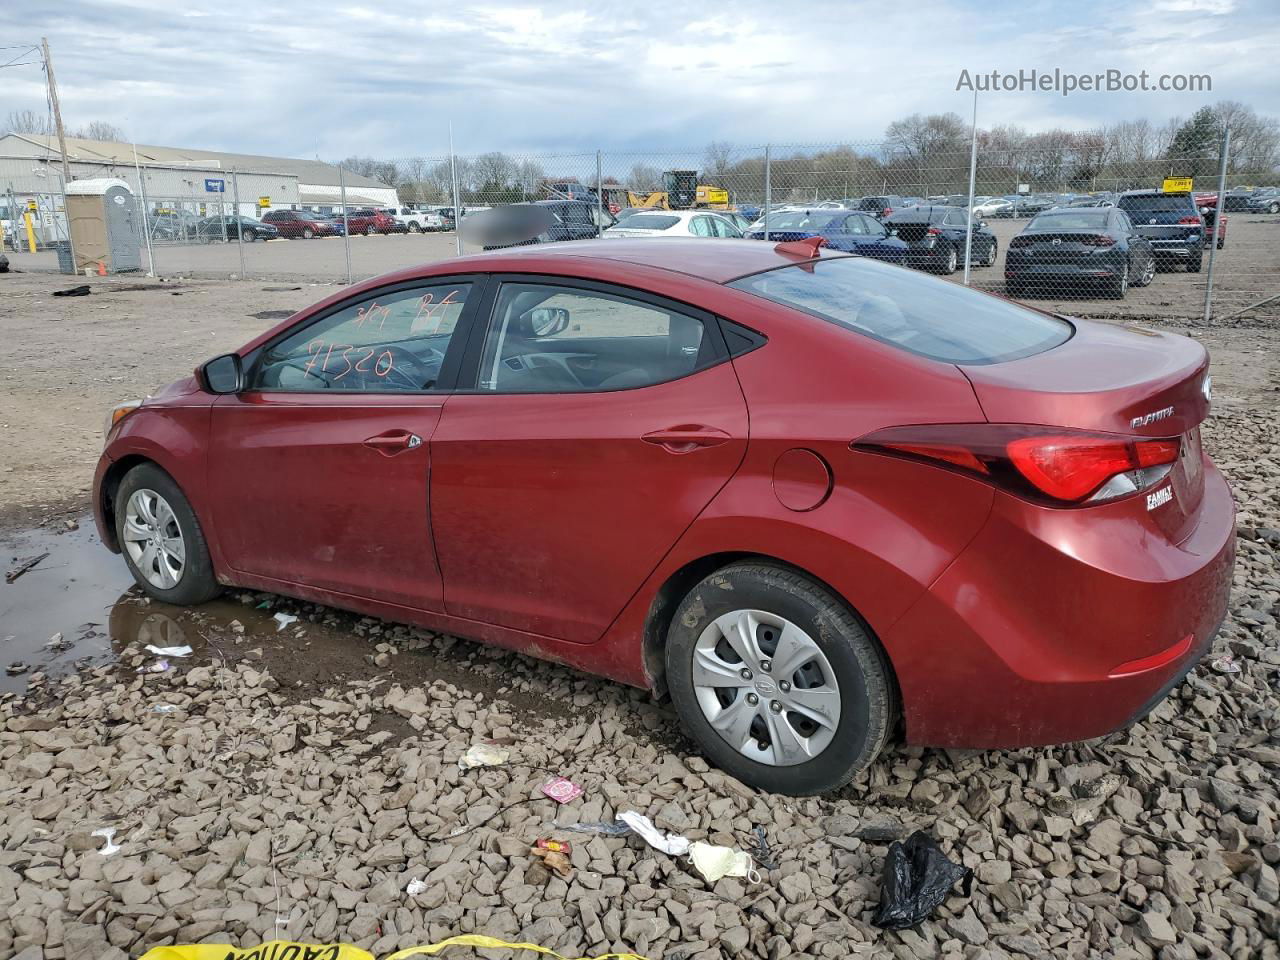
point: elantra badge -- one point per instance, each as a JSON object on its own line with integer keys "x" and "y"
{"x": 1149, "y": 418}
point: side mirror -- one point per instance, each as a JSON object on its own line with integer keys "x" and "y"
{"x": 224, "y": 374}
{"x": 1206, "y": 209}
{"x": 548, "y": 321}
{"x": 893, "y": 233}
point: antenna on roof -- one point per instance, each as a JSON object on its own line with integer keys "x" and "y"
{"x": 806, "y": 248}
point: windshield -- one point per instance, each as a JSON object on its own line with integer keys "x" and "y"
{"x": 1156, "y": 203}
{"x": 1075, "y": 220}
{"x": 927, "y": 316}
{"x": 647, "y": 221}
{"x": 801, "y": 220}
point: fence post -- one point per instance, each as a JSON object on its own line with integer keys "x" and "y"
{"x": 346, "y": 223}
{"x": 457, "y": 204}
{"x": 599, "y": 194}
{"x": 768, "y": 190}
{"x": 235, "y": 218}
{"x": 1217, "y": 222}
{"x": 973, "y": 174}
{"x": 66, "y": 220}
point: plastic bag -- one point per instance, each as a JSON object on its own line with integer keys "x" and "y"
{"x": 917, "y": 877}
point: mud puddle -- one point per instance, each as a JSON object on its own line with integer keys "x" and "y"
{"x": 79, "y": 607}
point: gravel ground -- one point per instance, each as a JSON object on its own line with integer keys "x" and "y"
{"x": 265, "y": 804}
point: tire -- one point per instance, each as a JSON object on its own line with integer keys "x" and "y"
{"x": 307, "y": 233}
{"x": 1193, "y": 264}
{"x": 248, "y": 236}
{"x": 1222, "y": 242}
{"x": 1274, "y": 208}
{"x": 990, "y": 259}
{"x": 1148, "y": 274}
{"x": 1119, "y": 286}
{"x": 370, "y": 231}
{"x": 195, "y": 582}
{"x": 413, "y": 227}
{"x": 840, "y": 653}
{"x": 948, "y": 266}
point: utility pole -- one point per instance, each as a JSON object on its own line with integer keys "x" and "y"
{"x": 57, "y": 111}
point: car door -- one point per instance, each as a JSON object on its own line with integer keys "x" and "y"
{"x": 600, "y": 423}
{"x": 318, "y": 470}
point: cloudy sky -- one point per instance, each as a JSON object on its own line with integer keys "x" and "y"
{"x": 385, "y": 79}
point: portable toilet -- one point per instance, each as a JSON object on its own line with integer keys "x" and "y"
{"x": 103, "y": 220}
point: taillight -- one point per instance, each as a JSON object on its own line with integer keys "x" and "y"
{"x": 935, "y": 232}
{"x": 1099, "y": 240}
{"x": 886, "y": 211}
{"x": 1189, "y": 220}
{"x": 1059, "y": 467}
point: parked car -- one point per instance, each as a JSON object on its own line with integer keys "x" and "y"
{"x": 173, "y": 225}
{"x": 817, "y": 499}
{"x": 229, "y": 228}
{"x": 369, "y": 222}
{"x": 1030, "y": 205}
{"x": 1070, "y": 247}
{"x": 333, "y": 219}
{"x": 993, "y": 207}
{"x": 1215, "y": 225}
{"x": 674, "y": 223}
{"x": 299, "y": 223}
{"x": 1266, "y": 200}
{"x": 936, "y": 238}
{"x": 1237, "y": 199}
{"x": 1091, "y": 202}
{"x": 737, "y": 218}
{"x": 415, "y": 220}
{"x": 850, "y": 232}
{"x": 1170, "y": 221}
{"x": 882, "y": 206}
{"x": 575, "y": 220}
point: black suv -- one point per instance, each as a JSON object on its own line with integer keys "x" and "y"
{"x": 1170, "y": 221}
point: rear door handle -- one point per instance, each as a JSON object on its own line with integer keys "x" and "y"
{"x": 686, "y": 438}
{"x": 394, "y": 441}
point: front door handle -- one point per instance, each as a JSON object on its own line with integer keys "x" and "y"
{"x": 686, "y": 438}
{"x": 394, "y": 441}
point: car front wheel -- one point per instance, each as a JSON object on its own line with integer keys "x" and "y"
{"x": 370, "y": 231}
{"x": 248, "y": 236}
{"x": 990, "y": 260}
{"x": 161, "y": 539}
{"x": 778, "y": 681}
{"x": 308, "y": 233}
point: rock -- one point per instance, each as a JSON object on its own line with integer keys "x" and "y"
{"x": 1156, "y": 929}
{"x": 968, "y": 927}
{"x": 796, "y": 888}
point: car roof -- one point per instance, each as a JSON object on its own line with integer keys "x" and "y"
{"x": 1155, "y": 193}
{"x": 719, "y": 261}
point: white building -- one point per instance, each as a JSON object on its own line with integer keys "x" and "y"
{"x": 200, "y": 181}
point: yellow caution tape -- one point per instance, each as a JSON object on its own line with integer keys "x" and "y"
{"x": 288, "y": 950}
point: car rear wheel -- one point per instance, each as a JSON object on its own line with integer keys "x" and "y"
{"x": 161, "y": 539}
{"x": 370, "y": 231}
{"x": 990, "y": 259}
{"x": 1119, "y": 285}
{"x": 1148, "y": 273}
{"x": 778, "y": 681}
{"x": 307, "y": 233}
{"x": 949, "y": 260}
{"x": 1222, "y": 242}
{"x": 1193, "y": 264}
{"x": 414, "y": 228}
{"x": 1274, "y": 208}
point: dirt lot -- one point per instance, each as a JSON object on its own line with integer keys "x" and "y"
{"x": 290, "y": 780}
{"x": 1247, "y": 269}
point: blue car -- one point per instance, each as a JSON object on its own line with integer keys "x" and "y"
{"x": 844, "y": 230}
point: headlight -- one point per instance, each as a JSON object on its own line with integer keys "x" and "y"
{"x": 118, "y": 413}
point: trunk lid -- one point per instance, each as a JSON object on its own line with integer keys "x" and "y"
{"x": 1121, "y": 380}
{"x": 1047, "y": 248}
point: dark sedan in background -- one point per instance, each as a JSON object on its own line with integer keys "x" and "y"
{"x": 1171, "y": 221}
{"x": 857, "y": 232}
{"x": 211, "y": 229}
{"x": 935, "y": 238}
{"x": 1078, "y": 247}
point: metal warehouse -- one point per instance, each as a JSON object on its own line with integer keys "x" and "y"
{"x": 30, "y": 165}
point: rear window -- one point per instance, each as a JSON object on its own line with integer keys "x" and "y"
{"x": 927, "y": 316}
{"x": 1074, "y": 220}
{"x": 1156, "y": 203}
{"x": 801, "y": 220}
{"x": 647, "y": 221}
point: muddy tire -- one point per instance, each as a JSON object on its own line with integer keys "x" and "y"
{"x": 778, "y": 681}
{"x": 161, "y": 539}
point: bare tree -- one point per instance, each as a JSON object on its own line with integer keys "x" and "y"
{"x": 27, "y": 121}
{"x": 716, "y": 162}
{"x": 644, "y": 178}
{"x": 99, "y": 130}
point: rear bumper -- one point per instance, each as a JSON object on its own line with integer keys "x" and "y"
{"x": 1181, "y": 249}
{"x": 1031, "y": 272}
{"x": 1049, "y": 630}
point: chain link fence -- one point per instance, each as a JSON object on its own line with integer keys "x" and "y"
{"x": 1079, "y": 226}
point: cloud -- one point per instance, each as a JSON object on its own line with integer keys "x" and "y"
{"x": 304, "y": 79}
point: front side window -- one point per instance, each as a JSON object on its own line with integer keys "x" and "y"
{"x": 700, "y": 226}
{"x": 545, "y": 338}
{"x": 388, "y": 343}
{"x": 927, "y": 316}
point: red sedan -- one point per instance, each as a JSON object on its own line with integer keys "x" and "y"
{"x": 809, "y": 495}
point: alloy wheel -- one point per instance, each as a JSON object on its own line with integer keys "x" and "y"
{"x": 153, "y": 539}
{"x": 1148, "y": 272}
{"x": 766, "y": 687}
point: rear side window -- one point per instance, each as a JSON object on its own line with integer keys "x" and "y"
{"x": 647, "y": 221}
{"x": 1156, "y": 203}
{"x": 923, "y": 315}
{"x": 1075, "y": 220}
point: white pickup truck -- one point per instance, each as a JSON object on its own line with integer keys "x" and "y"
{"x": 415, "y": 221}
